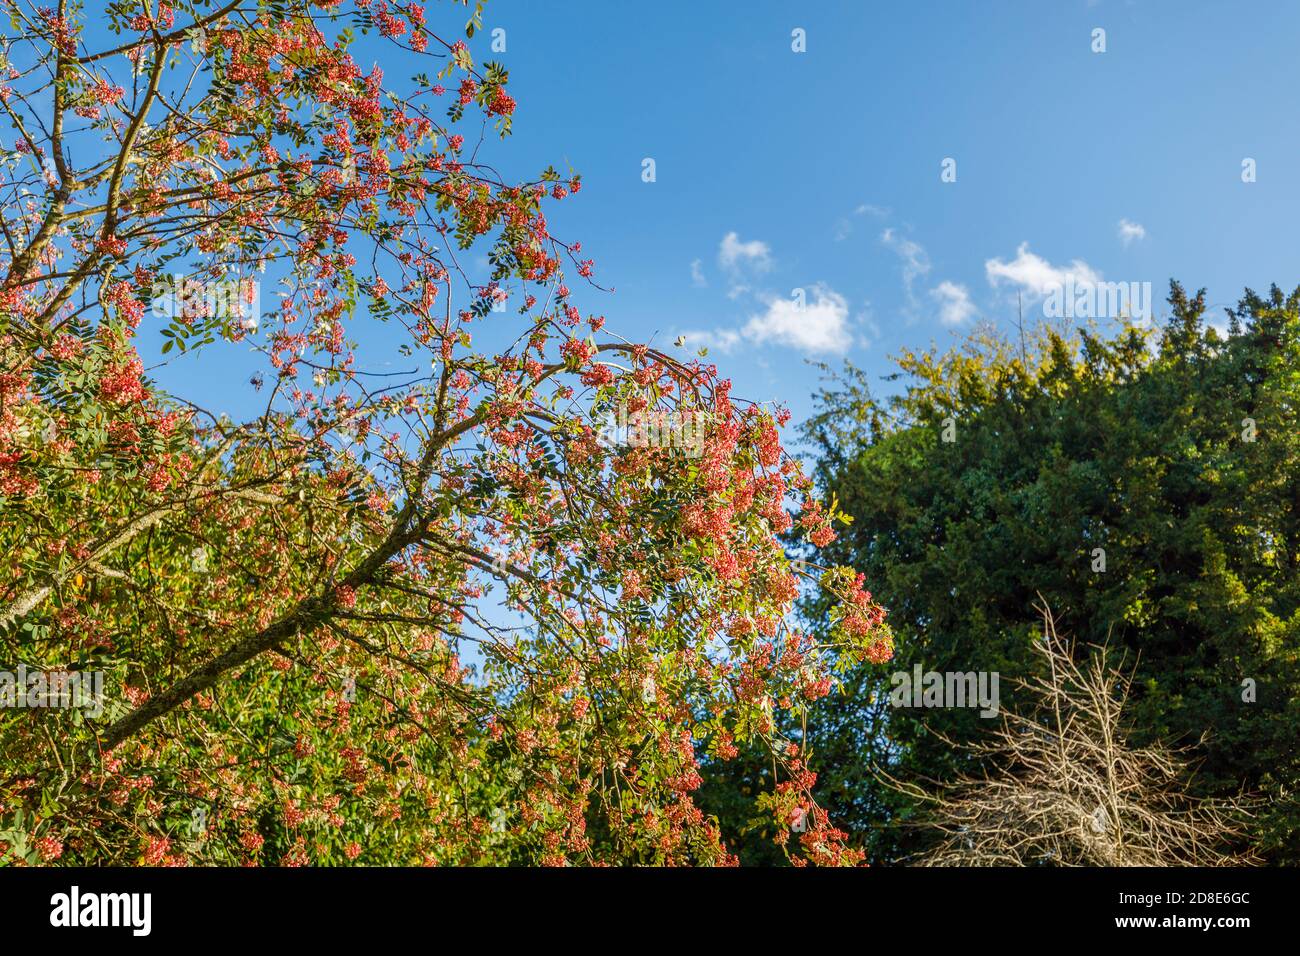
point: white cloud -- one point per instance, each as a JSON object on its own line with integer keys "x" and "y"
{"x": 716, "y": 340}
{"x": 844, "y": 228}
{"x": 821, "y": 325}
{"x": 1036, "y": 275}
{"x": 732, "y": 253}
{"x": 1128, "y": 231}
{"x": 916, "y": 262}
{"x": 955, "y": 306}
{"x": 697, "y": 273}
{"x": 818, "y": 326}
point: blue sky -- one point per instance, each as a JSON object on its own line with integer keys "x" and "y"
{"x": 778, "y": 170}
{"x": 824, "y": 166}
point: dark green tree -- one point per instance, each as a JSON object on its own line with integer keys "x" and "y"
{"x": 1143, "y": 483}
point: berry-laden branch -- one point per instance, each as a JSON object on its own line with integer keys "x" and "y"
{"x": 458, "y": 613}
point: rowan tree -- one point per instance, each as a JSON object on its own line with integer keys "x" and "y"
{"x": 291, "y": 610}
